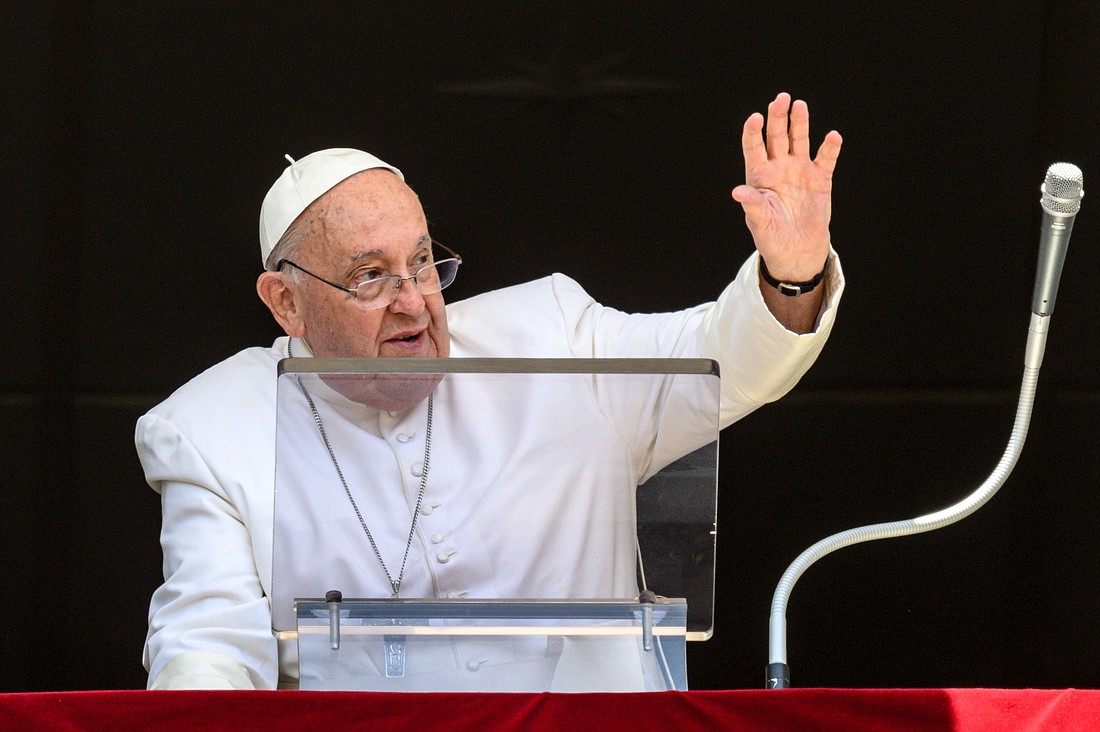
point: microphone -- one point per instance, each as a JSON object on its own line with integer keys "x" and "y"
{"x": 1062, "y": 193}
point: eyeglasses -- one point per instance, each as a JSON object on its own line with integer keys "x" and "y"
{"x": 381, "y": 290}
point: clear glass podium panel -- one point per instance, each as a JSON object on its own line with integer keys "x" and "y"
{"x": 500, "y": 497}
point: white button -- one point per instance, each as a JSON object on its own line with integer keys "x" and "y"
{"x": 460, "y": 595}
{"x": 405, "y": 436}
{"x": 393, "y": 414}
{"x": 418, "y": 468}
{"x": 429, "y": 508}
{"x": 475, "y": 663}
{"x": 445, "y": 556}
{"x": 440, "y": 537}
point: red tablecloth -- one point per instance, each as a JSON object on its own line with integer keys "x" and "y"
{"x": 801, "y": 709}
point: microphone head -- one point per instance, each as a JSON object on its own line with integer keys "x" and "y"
{"x": 1062, "y": 189}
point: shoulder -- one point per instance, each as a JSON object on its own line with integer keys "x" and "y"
{"x": 535, "y": 319}
{"x": 226, "y": 387}
{"x": 218, "y": 428}
{"x": 534, "y": 296}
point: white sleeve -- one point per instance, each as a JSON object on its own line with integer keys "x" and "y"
{"x": 202, "y": 670}
{"x": 210, "y": 622}
{"x": 759, "y": 359}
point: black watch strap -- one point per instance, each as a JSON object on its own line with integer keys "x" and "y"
{"x": 793, "y": 289}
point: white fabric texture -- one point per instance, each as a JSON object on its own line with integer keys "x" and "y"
{"x": 209, "y": 451}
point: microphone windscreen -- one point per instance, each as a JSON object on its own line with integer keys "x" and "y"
{"x": 1062, "y": 189}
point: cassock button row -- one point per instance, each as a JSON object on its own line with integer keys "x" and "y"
{"x": 475, "y": 663}
{"x": 429, "y": 508}
{"x": 405, "y": 436}
{"x": 418, "y": 468}
{"x": 440, "y": 537}
{"x": 446, "y": 556}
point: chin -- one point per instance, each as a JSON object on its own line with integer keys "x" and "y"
{"x": 389, "y": 392}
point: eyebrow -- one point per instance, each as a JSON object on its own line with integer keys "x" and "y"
{"x": 426, "y": 239}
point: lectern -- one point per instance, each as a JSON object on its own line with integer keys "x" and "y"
{"x": 494, "y": 524}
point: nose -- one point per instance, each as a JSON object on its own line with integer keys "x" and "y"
{"x": 408, "y": 300}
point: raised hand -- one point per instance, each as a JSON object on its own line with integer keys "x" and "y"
{"x": 787, "y": 197}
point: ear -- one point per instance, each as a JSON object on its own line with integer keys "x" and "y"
{"x": 280, "y": 296}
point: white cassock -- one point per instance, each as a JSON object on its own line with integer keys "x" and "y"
{"x": 502, "y": 483}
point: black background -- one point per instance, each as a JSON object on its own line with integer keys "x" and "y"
{"x": 602, "y": 142}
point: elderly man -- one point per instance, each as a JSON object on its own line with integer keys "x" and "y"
{"x": 351, "y": 271}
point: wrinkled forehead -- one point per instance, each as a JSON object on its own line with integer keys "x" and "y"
{"x": 371, "y": 213}
{"x": 370, "y": 193}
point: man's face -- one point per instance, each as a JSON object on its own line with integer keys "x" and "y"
{"x": 371, "y": 223}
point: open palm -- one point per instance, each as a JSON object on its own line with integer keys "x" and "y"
{"x": 787, "y": 197}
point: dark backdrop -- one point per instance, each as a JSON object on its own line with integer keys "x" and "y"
{"x": 602, "y": 142}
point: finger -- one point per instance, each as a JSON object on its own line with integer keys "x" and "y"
{"x": 778, "y": 144}
{"x": 752, "y": 143}
{"x": 800, "y": 129}
{"x": 829, "y": 151}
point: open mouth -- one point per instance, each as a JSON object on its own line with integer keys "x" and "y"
{"x": 410, "y": 338}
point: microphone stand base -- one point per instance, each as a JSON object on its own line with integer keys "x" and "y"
{"x": 777, "y": 676}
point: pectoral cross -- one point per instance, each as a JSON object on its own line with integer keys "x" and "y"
{"x": 394, "y": 647}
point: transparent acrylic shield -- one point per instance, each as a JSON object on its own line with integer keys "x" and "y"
{"x": 463, "y": 482}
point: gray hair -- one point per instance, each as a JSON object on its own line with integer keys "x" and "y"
{"x": 288, "y": 246}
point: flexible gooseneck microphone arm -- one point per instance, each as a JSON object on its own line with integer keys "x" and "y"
{"x": 1062, "y": 192}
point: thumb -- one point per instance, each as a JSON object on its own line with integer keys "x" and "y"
{"x": 750, "y": 199}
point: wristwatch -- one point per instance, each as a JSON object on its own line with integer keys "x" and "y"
{"x": 793, "y": 289}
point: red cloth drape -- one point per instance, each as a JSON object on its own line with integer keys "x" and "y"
{"x": 795, "y": 709}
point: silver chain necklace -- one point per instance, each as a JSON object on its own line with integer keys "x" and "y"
{"x": 394, "y": 584}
